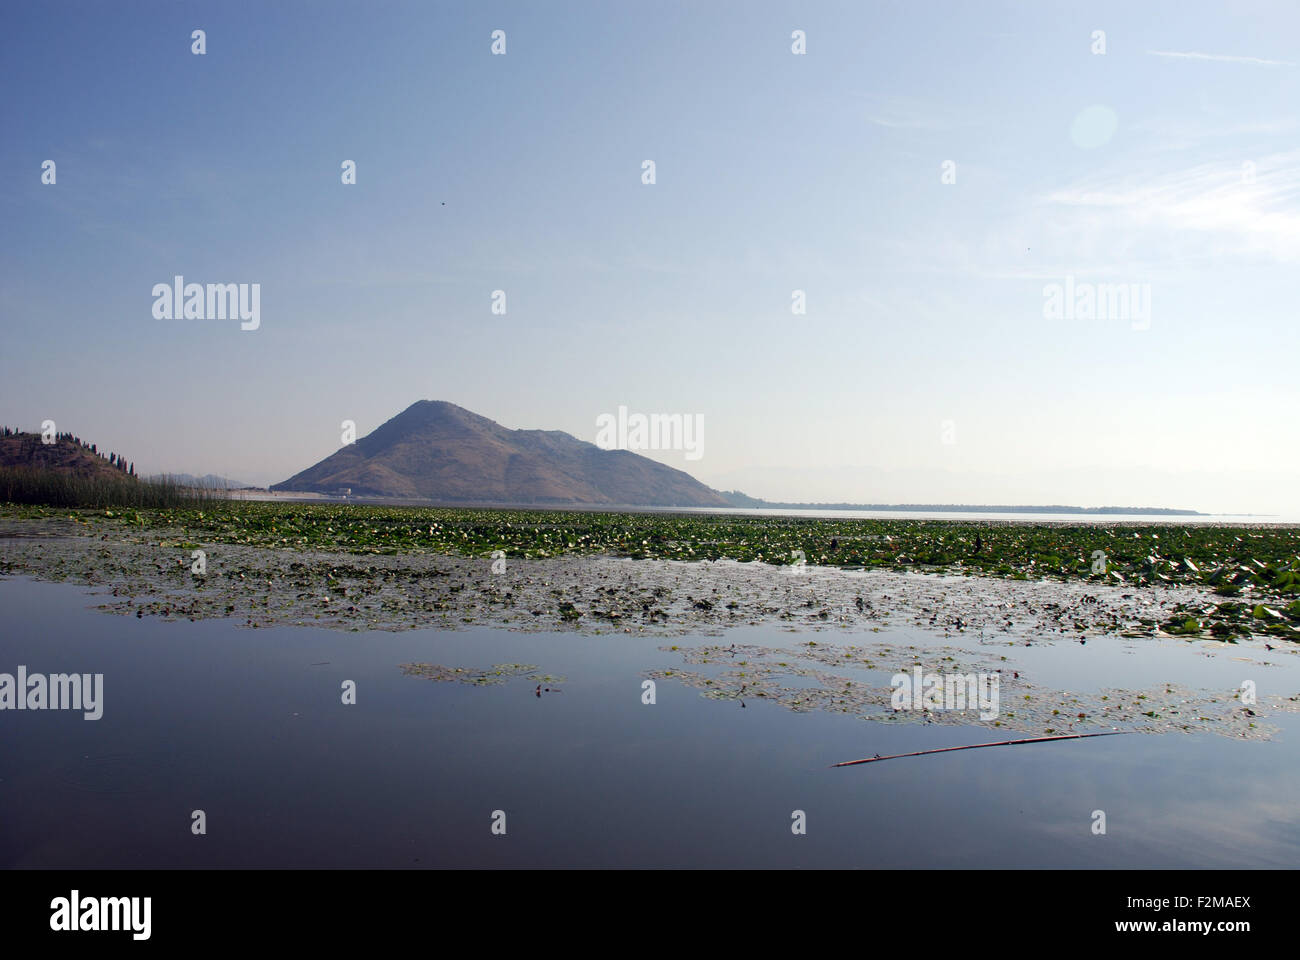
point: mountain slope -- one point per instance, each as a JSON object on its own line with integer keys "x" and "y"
{"x": 435, "y": 450}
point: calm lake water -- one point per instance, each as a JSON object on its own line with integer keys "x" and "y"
{"x": 248, "y": 726}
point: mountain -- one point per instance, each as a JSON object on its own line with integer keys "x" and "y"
{"x": 435, "y": 450}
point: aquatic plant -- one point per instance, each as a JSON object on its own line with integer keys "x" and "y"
{"x": 1251, "y": 574}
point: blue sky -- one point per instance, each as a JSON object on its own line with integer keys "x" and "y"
{"x": 774, "y": 172}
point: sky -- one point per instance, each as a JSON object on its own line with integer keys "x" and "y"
{"x": 925, "y": 173}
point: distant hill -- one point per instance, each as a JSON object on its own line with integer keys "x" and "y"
{"x": 67, "y": 454}
{"x": 438, "y": 451}
{"x": 737, "y": 499}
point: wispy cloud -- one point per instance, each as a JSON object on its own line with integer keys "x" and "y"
{"x": 1221, "y": 209}
{"x": 1154, "y": 225}
{"x": 1220, "y": 57}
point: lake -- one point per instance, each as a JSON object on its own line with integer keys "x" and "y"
{"x": 248, "y": 725}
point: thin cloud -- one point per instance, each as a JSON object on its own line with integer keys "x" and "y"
{"x": 1149, "y": 225}
{"x": 1216, "y": 207}
{"x": 1220, "y": 57}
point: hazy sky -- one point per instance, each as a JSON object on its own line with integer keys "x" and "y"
{"x": 775, "y": 172}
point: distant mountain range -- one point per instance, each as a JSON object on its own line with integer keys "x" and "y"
{"x": 434, "y": 450}
{"x": 738, "y": 499}
{"x": 437, "y": 451}
{"x": 209, "y": 481}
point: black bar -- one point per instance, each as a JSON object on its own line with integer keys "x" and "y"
{"x": 565, "y": 910}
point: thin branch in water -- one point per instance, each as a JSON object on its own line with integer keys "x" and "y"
{"x": 976, "y": 746}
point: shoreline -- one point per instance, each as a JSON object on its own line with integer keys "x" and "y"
{"x": 956, "y": 514}
{"x": 587, "y": 592}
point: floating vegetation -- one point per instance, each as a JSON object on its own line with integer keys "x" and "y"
{"x": 1190, "y": 581}
{"x": 816, "y": 677}
{"x": 496, "y": 674}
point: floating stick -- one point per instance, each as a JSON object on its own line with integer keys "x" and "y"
{"x": 976, "y": 746}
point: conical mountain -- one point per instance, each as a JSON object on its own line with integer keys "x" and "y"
{"x": 434, "y": 450}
